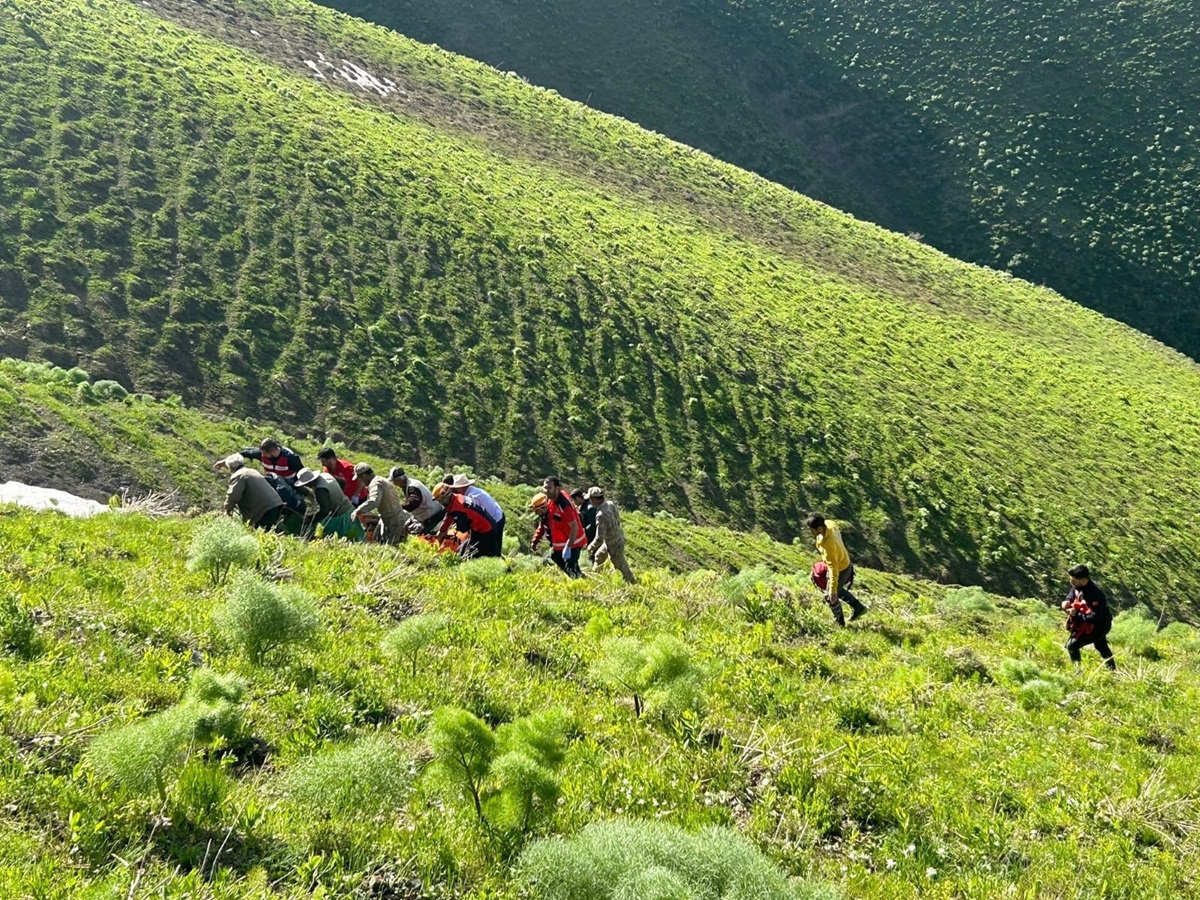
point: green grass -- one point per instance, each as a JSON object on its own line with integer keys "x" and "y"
{"x": 480, "y": 273}
{"x": 878, "y": 760}
{"x": 1052, "y": 138}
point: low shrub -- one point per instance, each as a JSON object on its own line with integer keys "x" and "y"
{"x": 18, "y": 631}
{"x": 368, "y": 777}
{"x": 968, "y": 599}
{"x": 412, "y": 635}
{"x": 1134, "y": 631}
{"x": 483, "y": 571}
{"x": 141, "y": 756}
{"x": 106, "y": 389}
{"x": 260, "y": 617}
{"x": 660, "y": 675}
{"x": 201, "y": 790}
{"x": 219, "y": 545}
{"x": 636, "y": 860}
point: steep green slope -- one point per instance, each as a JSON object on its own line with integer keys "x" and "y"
{"x": 940, "y": 748}
{"x": 1055, "y": 139}
{"x": 451, "y": 267}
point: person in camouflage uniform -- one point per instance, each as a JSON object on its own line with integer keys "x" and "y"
{"x": 609, "y": 542}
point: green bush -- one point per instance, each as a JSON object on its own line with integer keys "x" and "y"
{"x": 636, "y": 860}
{"x": 660, "y": 675}
{"x": 1134, "y": 631}
{"x": 968, "y": 599}
{"x": 109, "y": 390}
{"x": 260, "y": 617}
{"x": 202, "y": 789}
{"x": 1039, "y": 692}
{"x": 370, "y": 776}
{"x": 141, "y": 755}
{"x": 18, "y": 631}
{"x": 483, "y": 571}
{"x": 219, "y": 545}
{"x": 510, "y": 776}
{"x": 412, "y": 635}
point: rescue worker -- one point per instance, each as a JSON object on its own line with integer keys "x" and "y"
{"x": 461, "y": 484}
{"x": 1088, "y": 617}
{"x": 382, "y": 500}
{"x": 343, "y": 471}
{"x": 469, "y": 515}
{"x": 587, "y": 513}
{"x": 276, "y": 459}
{"x": 249, "y": 493}
{"x": 609, "y": 539}
{"x": 561, "y": 519}
{"x": 418, "y": 502}
{"x": 841, "y": 572}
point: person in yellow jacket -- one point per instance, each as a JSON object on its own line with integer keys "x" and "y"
{"x": 841, "y": 572}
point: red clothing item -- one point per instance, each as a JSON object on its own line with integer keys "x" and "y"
{"x": 462, "y": 506}
{"x": 559, "y": 515}
{"x": 343, "y": 470}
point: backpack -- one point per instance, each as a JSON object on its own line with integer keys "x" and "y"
{"x": 820, "y": 575}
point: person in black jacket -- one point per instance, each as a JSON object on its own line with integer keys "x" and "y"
{"x": 587, "y": 513}
{"x": 1088, "y": 616}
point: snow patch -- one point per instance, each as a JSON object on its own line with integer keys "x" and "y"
{"x": 353, "y": 73}
{"x": 48, "y": 498}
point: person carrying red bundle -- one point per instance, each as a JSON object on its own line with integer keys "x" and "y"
{"x": 1088, "y": 617}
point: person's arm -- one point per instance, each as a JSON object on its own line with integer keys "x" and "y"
{"x": 448, "y": 519}
{"x": 252, "y": 453}
{"x": 831, "y": 591}
{"x": 237, "y": 487}
{"x": 324, "y": 502}
{"x": 374, "y": 492}
{"x": 601, "y": 523}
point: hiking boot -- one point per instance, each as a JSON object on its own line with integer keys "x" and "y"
{"x": 858, "y": 611}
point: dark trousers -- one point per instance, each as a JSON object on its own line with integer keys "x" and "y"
{"x": 270, "y": 518}
{"x": 845, "y": 579}
{"x": 570, "y": 566}
{"x": 1098, "y": 640}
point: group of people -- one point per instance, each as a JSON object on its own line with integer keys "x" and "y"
{"x": 353, "y": 502}
{"x": 1089, "y": 618}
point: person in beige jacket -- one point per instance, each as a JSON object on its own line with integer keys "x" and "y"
{"x": 250, "y": 494}
{"x": 609, "y": 542}
{"x": 384, "y": 500}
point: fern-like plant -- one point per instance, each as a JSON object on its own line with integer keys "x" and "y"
{"x": 260, "y": 617}
{"x": 142, "y": 755}
{"x": 636, "y": 860}
{"x": 412, "y": 635}
{"x": 509, "y": 775}
{"x": 370, "y": 776}
{"x": 219, "y": 545}
{"x": 659, "y": 675}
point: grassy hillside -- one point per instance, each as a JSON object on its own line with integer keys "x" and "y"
{"x": 1055, "y": 139}
{"x": 939, "y": 748}
{"x": 451, "y": 267}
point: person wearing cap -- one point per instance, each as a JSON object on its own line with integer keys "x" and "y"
{"x": 587, "y": 513}
{"x": 841, "y": 573}
{"x": 561, "y": 519}
{"x": 276, "y": 459}
{"x": 469, "y": 515}
{"x": 418, "y": 502}
{"x": 343, "y": 471}
{"x": 331, "y": 501}
{"x": 250, "y": 494}
{"x": 384, "y": 501}
{"x": 609, "y": 541}
{"x": 461, "y": 484}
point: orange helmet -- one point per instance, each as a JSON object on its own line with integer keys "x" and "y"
{"x": 441, "y": 491}
{"x": 539, "y": 502}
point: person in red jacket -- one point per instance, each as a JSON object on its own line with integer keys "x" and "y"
{"x": 1088, "y": 617}
{"x": 343, "y": 471}
{"x": 469, "y": 515}
{"x": 561, "y": 519}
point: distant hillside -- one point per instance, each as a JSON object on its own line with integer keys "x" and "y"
{"x": 277, "y": 212}
{"x": 1056, "y": 139}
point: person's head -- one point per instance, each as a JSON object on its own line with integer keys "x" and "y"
{"x": 577, "y": 496}
{"x": 1079, "y": 575}
{"x": 539, "y": 503}
{"x": 398, "y": 478}
{"x": 363, "y": 472}
{"x": 234, "y": 462}
{"x": 328, "y": 457}
{"x": 270, "y": 448}
{"x": 551, "y": 485}
{"x": 595, "y": 495}
{"x": 442, "y": 491}
{"x": 305, "y": 477}
{"x": 816, "y": 523}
